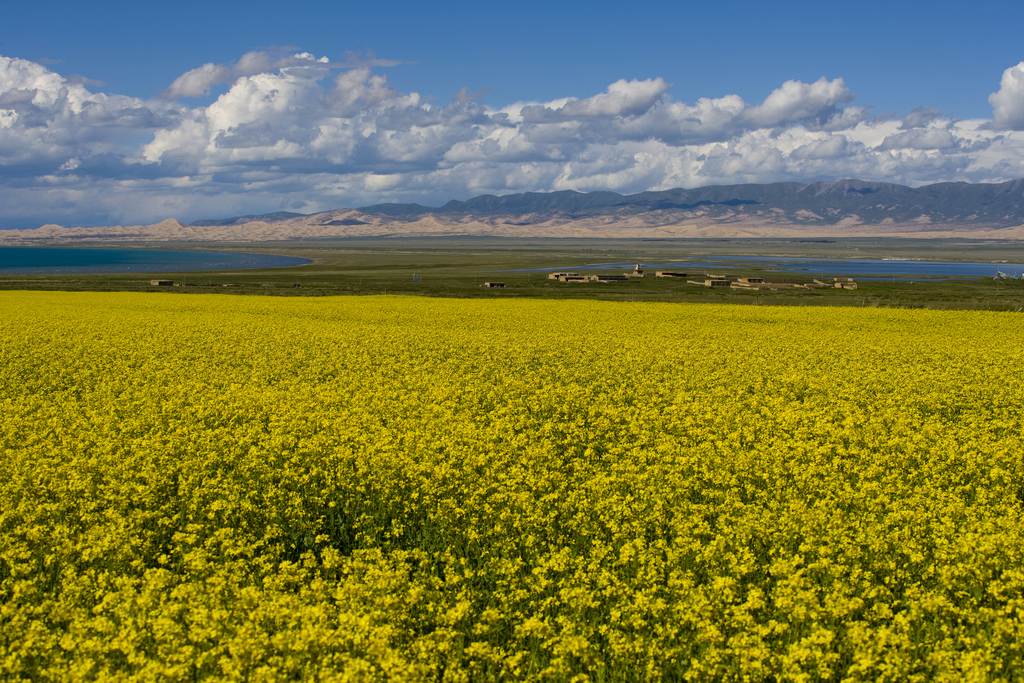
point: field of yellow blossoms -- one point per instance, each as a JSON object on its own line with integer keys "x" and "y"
{"x": 380, "y": 488}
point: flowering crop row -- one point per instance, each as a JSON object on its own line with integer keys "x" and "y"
{"x": 234, "y": 488}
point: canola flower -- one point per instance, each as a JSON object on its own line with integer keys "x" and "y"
{"x": 383, "y": 488}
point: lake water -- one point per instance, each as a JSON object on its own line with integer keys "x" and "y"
{"x": 812, "y": 267}
{"x": 60, "y": 261}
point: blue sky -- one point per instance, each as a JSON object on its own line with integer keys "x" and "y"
{"x": 881, "y": 61}
{"x": 894, "y": 55}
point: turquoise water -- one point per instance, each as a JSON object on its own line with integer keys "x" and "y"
{"x": 56, "y": 260}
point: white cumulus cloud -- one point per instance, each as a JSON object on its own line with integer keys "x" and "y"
{"x": 623, "y": 98}
{"x": 796, "y": 101}
{"x": 48, "y": 122}
{"x": 1008, "y": 102}
{"x": 303, "y": 133}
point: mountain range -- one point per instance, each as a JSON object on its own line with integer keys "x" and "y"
{"x": 990, "y": 205}
{"x": 845, "y": 208}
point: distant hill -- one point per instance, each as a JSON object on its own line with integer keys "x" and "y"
{"x": 844, "y": 208}
{"x": 238, "y": 220}
{"x": 866, "y": 203}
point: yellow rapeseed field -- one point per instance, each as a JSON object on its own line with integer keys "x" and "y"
{"x": 263, "y": 489}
